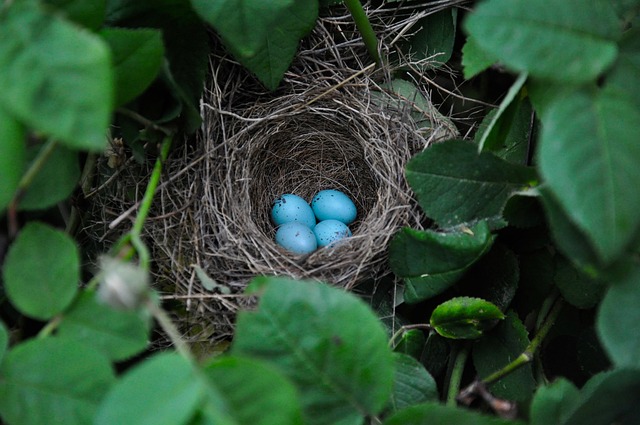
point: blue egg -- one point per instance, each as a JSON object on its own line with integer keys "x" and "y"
{"x": 330, "y": 231}
{"x": 289, "y": 208}
{"x": 297, "y": 238}
{"x": 334, "y": 205}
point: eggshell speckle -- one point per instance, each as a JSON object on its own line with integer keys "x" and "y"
{"x": 330, "y": 231}
{"x": 332, "y": 204}
{"x": 289, "y": 208}
{"x": 296, "y": 238}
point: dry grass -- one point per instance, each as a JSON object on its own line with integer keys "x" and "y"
{"x": 331, "y": 124}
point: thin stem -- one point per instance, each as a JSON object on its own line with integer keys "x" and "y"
{"x": 170, "y": 329}
{"x": 403, "y": 329}
{"x": 50, "y": 327}
{"x": 94, "y": 281}
{"x": 147, "y": 200}
{"x": 133, "y": 237}
{"x": 36, "y": 165}
{"x": 365, "y": 28}
{"x": 26, "y": 181}
{"x": 141, "y": 249}
{"x": 528, "y": 355}
{"x": 456, "y": 374}
{"x": 531, "y": 138}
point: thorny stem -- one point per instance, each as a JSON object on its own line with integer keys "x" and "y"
{"x": 365, "y": 28}
{"x": 456, "y": 374}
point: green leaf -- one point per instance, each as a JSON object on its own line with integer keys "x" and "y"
{"x": 618, "y": 318}
{"x": 456, "y": 185}
{"x": 4, "y": 340}
{"x": 610, "y": 397}
{"x": 588, "y": 157}
{"x": 552, "y": 403}
{"x": 209, "y": 283}
{"x": 432, "y": 38}
{"x": 137, "y": 58}
{"x": 12, "y": 157}
{"x": 627, "y": 10}
{"x": 401, "y": 95}
{"x": 569, "y": 239}
{"x": 474, "y": 59}
{"x": 576, "y": 288}
{"x": 537, "y": 36}
{"x": 54, "y": 182}
{"x": 41, "y": 271}
{"x": 494, "y": 134}
{"x": 497, "y": 349}
{"x": 56, "y": 77}
{"x": 624, "y": 77}
{"x": 280, "y": 44}
{"x": 184, "y": 107}
{"x": 53, "y": 381}
{"x": 515, "y": 146}
{"x": 184, "y": 37}
{"x": 243, "y": 24}
{"x": 118, "y": 334}
{"x": 607, "y": 398}
{"x": 335, "y": 351}
{"x": 435, "y": 355}
{"x": 162, "y": 390}
{"x": 88, "y": 13}
{"x": 412, "y": 385}
{"x": 465, "y": 317}
{"x": 411, "y": 343}
{"x": 430, "y": 262}
{"x": 255, "y": 393}
{"x": 436, "y": 413}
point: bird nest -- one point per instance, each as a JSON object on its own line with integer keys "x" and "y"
{"x": 333, "y": 124}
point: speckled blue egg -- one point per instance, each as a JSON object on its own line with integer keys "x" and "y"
{"x": 330, "y": 231}
{"x": 334, "y": 205}
{"x": 297, "y": 238}
{"x": 289, "y": 208}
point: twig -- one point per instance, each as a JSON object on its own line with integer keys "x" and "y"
{"x": 337, "y": 86}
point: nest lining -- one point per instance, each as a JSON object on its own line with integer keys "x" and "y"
{"x": 302, "y": 153}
